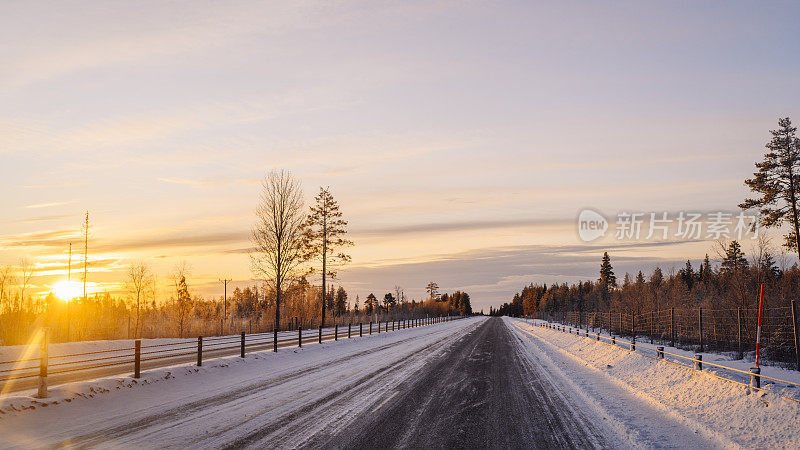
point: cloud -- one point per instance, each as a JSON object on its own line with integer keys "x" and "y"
{"x": 48, "y": 205}
{"x": 44, "y": 218}
{"x": 178, "y": 240}
{"x": 456, "y": 226}
{"x": 54, "y": 185}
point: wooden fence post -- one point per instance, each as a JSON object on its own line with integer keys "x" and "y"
{"x": 137, "y": 359}
{"x": 43, "y": 361}
{"x": 299, "y": 336}
{"x": 242, "y": 347}
{"x": 199, "y": 351}
{"x": 796, "y": 337}
{"x": 360, "y": 329}
{"x": 348, "y": 329}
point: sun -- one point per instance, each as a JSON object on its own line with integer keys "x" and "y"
{"x": 66, "y": 290}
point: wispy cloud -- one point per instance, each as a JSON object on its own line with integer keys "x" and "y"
{"x": 48, "y": 205}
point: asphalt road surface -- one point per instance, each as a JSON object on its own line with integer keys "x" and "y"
{"x": 464, "y": 384}
{"x": 480, "y": 394}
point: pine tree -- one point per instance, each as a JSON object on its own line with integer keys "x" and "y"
{"x": 735, "y": 260}
{"x": 432, "y": 289}
{"x": 777, "y": 181}
{"x": 388, "y": 301}
{"x": 355, "y": 306}
{"x": 705, "y": 270}
{"x": 323, "y": 236}
{"x": 370, "y": 303}
{"x": 687, "y": 274}
{"x": 607, "y": 278}
{"x": 341, "y": 300}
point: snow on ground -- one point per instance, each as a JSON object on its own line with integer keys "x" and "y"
{"x": 242, "y": 394}
{"x": 715, "y": 409}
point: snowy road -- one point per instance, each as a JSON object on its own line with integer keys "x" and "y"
{"x": 473, "y": 383}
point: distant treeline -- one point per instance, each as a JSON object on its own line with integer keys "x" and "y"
{"x": 106, "y": 316}
{"x": 730, "y": 283}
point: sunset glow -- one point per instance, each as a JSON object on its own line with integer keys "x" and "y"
{"x": 67, "y": 290}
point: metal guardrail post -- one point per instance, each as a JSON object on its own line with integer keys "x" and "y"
{"x": 755, "y": 379}
{"x": 137, "y": 359}
{"x": 242, "y": 346}
{"x": 43, "y": 360}
{"x": 199, "y": 351}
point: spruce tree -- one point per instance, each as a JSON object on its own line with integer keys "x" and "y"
{"x": 777, "y": 182}
{"x": 607, "y": 277}
{"x": 735, "y": 260}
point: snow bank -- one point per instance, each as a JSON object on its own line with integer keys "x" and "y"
{"x": 746, "y": 417}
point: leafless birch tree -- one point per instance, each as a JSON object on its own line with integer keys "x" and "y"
{"x": 277, "y": 235}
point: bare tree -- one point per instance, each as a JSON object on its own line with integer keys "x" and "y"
{"x": 277, "y": 235}
{"x": 399, "y": 294}
{"x": 140, "y": 280}
{"x": 27, "y": 270}
{"x": 6, "y": 281}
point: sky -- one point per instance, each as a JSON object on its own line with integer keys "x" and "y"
{"x": 461, "y": 139}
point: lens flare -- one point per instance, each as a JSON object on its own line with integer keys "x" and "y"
{"x": 67, "y": 290}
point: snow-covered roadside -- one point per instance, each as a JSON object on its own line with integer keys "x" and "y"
{"x": 726, "y": 359}
{"x": 231, "y": 387}
{"x": 716, "y": 409}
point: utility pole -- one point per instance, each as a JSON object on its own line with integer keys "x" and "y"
{"x": 224, "y": 304}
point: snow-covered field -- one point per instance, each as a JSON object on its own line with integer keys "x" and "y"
{"x": 166, "y": 406}
{"x": 718, "y": 411}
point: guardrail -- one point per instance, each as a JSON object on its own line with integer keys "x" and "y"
{"x": 659, "y": 354}
{"x": 219, "y": 346}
